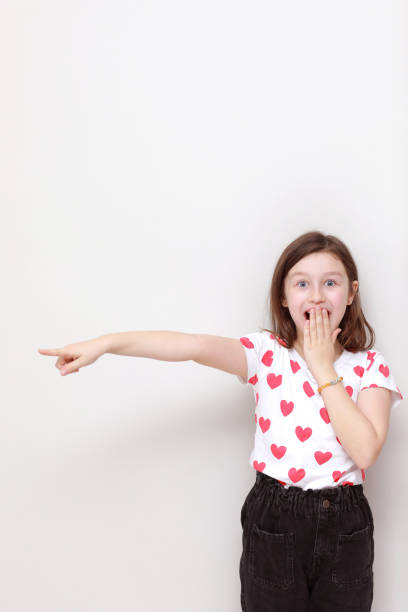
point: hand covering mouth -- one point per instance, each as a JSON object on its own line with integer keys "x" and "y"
{"x": 306, "y": 314}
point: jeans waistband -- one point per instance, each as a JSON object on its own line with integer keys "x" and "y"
{"x": 335, "y": 498}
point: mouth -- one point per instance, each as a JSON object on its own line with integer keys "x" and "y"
{"x": 307, "y": 315}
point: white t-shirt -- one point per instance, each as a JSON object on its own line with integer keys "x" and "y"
{"x": 294, "y": 439}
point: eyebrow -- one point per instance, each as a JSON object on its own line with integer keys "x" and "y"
{"x": 333, "y": 273}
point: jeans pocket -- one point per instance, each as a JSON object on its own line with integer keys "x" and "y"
{"x": 353, "y": 561}
{"x": 271, "y": 557}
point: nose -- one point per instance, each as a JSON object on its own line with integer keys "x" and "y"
{"x": 317, "y": 303}
{"x": 316, "y": 296}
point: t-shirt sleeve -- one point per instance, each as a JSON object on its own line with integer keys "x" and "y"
{"x": 254, "y": 347}
{"x": 377, "y": 373}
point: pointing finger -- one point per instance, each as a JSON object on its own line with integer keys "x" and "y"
{"x": 51, "y": 352}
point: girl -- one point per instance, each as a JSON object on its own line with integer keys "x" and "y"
{"x": 307, "y": 525}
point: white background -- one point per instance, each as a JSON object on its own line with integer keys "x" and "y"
{"x": 156, "y": 159}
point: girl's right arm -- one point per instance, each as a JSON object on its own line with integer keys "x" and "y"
{"x": 225, "y": 354}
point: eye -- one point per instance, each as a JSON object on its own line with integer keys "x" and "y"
{"x": 330, "y": 280}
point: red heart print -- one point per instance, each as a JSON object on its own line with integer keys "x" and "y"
{"x": 363, "y": 474}
{"x": 347, "y": 482}
{"x": 273, "y": 380}
{"x": 264, "y": 424}
{"x": 303, "y": 434}
{"x": 259, "y": 466}
{"x": 296, "y": 475}
{"x": 385, "y": 370}
{"x": 282, "y": 342}
{"x": 358, "y": 370}
{"x": 278, "y": 451}
{"x": 246, "y": 342}
{"x": 349, "y": 391}
{"x": 286, "y": 407}
{"x": 308, "y": 389}
{"x": 325, "y": 415}
{"x": 338, "y": 441}
{"x": 253, "y": 380}
{"x": 267, "y": 358}
{"x": 257, "y": 398}
{"x": 337, "y": 475}
{"x": 322, "y": 457}
{"x": 294, "y": 365}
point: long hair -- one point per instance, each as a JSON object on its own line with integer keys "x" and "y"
{"x": 353, "y": 336}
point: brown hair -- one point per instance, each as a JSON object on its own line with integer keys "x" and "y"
{"x": 353, "y": 336}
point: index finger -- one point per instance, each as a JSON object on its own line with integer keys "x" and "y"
{"x": 55, "y": 351}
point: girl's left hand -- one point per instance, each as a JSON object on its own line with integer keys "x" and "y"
{"x": 318, "y": 341}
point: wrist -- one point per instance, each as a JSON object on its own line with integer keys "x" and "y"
{"x": 105, "y": 342}
{"x": 326, "y": 375}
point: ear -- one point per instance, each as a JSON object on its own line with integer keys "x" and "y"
{"x": 354, "y": 290}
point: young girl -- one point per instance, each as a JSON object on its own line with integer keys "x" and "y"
{"x": 307, "y": 525}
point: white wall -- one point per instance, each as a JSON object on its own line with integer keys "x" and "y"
{"x": 157, "y": 158}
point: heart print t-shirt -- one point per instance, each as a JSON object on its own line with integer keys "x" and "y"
{"x": 294, "y": 440}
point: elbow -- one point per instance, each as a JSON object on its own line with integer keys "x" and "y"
{"x": 364, "y": 465}
{"x": 370, "y": 454}
{"x": 368, "y": 461}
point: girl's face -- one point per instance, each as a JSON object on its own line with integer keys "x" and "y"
{"x": 319, "y": 279}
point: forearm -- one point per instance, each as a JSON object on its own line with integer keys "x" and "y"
{"x": 355, "y": 432}
{"x": 162, "y": 345}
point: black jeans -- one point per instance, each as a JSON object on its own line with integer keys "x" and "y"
{"x": 306, "y": 551}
